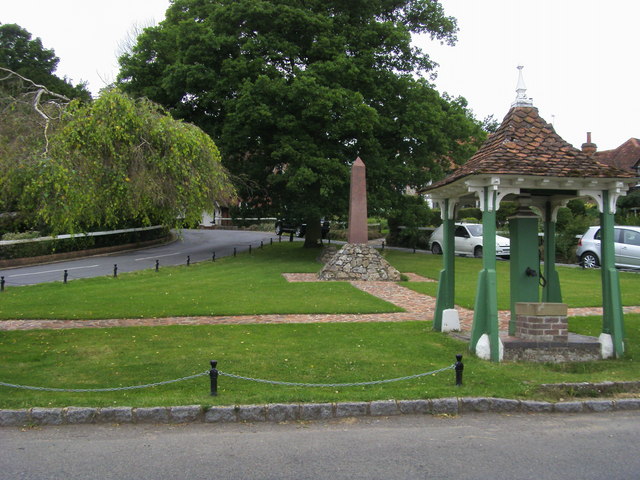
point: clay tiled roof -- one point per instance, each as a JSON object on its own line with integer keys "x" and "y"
{"x": 525, "y": 144}
{"x": 626, "y": 156}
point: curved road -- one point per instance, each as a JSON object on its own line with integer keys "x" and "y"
{"x": 199, "y": 245}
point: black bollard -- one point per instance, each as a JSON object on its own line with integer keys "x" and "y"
{"x": 1, "y": 284}
{"x": 157, "y": 265}
{"x": 291, "y": 237}
{"x": 188, "y": 260}
{"x": 66, "y": 275}
{"x": 115, "y": 270}
{"x": 213, "y": 257}
{"x": 261, "y": 244}
{"x": 249, "y": 249}
{"x": 459, "y": 368}
{"x": 234, "y": 251}
{"x": 383, "y": 245}
{"x": 271, "y": 241}
{"x": 213, "y": 375}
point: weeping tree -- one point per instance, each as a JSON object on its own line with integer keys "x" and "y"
{"x": 118, "y": 161}
{"x": 294, "y": 90}
{"x": 70, "y": 166}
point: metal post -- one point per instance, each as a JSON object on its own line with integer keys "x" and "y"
{"x": 383, "y": 245}
{"x": 249, "y": 249}
{"x": 213, "y": 257}
{"x": 234, "y": 251}
{"x": 459, "y": 368}
{"x": 261, "y": 244}
{"x": 115, "y": 270}
{"x": 66, "y": 275}
{"x": 1, "y": 284}
{"x": 157, "y": 265}
{"x": 271, "y": 241}
{"x": 213, "y": 375}
{"x": 188, "y": 260}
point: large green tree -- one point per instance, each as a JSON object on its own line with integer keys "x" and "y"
{"x": 294, "y": 90}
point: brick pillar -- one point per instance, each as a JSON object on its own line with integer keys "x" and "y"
{"x": 542, "y": 322}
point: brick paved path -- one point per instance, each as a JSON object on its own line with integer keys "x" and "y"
{"x": 418, "y": 307}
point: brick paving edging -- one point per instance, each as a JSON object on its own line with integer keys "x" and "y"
{"x": 278, "y": 413}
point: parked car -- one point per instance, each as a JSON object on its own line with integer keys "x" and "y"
{"x": 626, "y": 245}
{"x": 299, "y": 229}
{"x": 468, "y": 241}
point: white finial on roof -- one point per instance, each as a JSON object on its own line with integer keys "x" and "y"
{"x": 521, "y": 89}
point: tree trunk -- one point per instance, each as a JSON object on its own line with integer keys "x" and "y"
{"x": 313, "y": 236}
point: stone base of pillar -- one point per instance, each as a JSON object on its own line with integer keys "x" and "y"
{"x": 355, "y": 261}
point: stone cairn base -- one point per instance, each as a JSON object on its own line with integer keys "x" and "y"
{"x": 356, "y": 261}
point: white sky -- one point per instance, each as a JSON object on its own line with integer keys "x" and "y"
{"x": 579, "y": 55}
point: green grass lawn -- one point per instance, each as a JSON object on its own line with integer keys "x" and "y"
{"x": 312, "y": 353}
{"x": 242, "y": 285}
{"x": 253, "y": 284}
{"x": 580, "y": 287}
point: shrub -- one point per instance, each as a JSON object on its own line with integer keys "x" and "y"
{"x": 412, "y": 214}
{"x": 64, "y": 245}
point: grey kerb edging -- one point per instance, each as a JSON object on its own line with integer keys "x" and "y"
{"x": 301, "y": 412}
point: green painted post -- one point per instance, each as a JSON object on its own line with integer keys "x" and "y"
{"x": 446, "y": 285}
{"x": 524, "y": 263}
{"x": 551, "y": 291}
{"x": 485, "y": 317}
{"x": 612, "y": 316}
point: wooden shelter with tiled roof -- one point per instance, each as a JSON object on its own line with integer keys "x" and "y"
{"x": 525, "y": 160}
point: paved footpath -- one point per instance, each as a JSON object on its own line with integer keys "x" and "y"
{"x": 417, "y": 307}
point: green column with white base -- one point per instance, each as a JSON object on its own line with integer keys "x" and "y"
{"x": 612, "y": 315}
{"x": 485, "y": 317}
{"x": 446, "y": 284}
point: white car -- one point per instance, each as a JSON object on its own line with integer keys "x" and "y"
{"x": 626, "y": 246}
{"x": 468, "y": 241}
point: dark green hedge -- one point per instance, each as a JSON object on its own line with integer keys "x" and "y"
{"x": 49, "y": 247}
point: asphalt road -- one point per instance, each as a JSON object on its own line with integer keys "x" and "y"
{"x": 199, "y": 245}
{"x": 483, "y": 446}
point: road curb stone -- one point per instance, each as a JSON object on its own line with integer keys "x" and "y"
{"x": 284, "y": 412}
{"x": 151, "y": 415}
{"x": 80, "y": 415}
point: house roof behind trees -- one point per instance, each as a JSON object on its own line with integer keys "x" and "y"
{"x": 626, "y": 156}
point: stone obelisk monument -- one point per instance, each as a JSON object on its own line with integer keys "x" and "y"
{"x": 357, "y": 260}
{"x": 358, "y": 230}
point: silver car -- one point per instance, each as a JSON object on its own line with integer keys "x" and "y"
{"x": 626, "y": 246}
{"x": 468, "y": 241}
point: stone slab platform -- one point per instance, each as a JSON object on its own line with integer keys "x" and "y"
{"x": 577, "y": 348}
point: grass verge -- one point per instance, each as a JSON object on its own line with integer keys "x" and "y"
{"x": 243, "y": 285}
{"x": 310, "y": 353}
